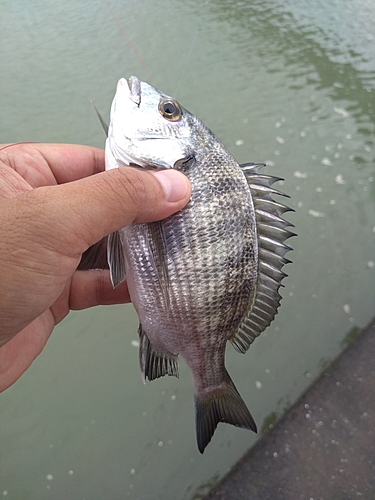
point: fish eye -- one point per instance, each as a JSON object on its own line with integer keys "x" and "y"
{"x": 170, "y": 109}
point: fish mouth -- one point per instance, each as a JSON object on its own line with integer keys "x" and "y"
{"x": 135, "y": 90}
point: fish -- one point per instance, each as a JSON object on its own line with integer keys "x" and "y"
{"x": 207, "y": 274}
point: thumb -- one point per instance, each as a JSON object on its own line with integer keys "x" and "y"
{"x": 44, "y": 231}
{"x": 86, "y": 210}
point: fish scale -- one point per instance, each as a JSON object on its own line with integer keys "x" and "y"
{"x": 207, "y": 274}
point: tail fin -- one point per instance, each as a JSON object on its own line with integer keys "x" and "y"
{"x": 222, "y": 405}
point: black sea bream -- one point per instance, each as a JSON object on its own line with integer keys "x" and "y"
{"x": 209, "y": 273}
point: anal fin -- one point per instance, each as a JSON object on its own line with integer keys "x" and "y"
{"x": 155, "y": 364}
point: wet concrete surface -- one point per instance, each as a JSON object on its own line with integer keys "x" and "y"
{"x": 324, "y": 447}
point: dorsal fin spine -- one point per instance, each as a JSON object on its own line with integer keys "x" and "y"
{"x": 272, "y": 233}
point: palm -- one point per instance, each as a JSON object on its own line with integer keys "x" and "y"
{"x": 52, "y": 208}
{"x": 20, "y": 173}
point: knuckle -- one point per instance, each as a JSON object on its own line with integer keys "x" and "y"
{"x": 137, "y": 187}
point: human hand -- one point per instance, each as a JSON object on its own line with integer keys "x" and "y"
{"x": 52, "y": 208}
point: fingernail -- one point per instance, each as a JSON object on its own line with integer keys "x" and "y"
{"x": 174, "y": 183}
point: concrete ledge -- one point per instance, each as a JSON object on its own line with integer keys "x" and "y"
{"x": 324, "y": 447}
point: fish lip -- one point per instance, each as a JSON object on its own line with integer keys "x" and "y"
{"x": 131, "y": 88}
{"x": 135, "y": 90}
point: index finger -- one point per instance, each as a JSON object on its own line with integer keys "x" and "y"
{"x": 60, "y": 163}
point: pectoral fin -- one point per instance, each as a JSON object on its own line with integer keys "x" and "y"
{"x": 155, "y": 364}
{"x": 101, "y": 119}
{"x": 116, "y": 258}
{"x": 158, "y": 253}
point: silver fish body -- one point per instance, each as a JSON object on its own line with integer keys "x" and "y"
{"x": 197, "y": 279}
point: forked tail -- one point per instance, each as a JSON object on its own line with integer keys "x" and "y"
{"x": 222, "y": 405}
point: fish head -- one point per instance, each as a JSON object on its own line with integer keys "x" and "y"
{"x": 147, "y": 128}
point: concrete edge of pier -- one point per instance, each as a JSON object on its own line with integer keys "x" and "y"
{"x": 323, "y": 448}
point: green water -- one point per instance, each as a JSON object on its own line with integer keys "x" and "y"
{"x": 290, "y": 83}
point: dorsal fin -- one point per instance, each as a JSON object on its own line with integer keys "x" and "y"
{"x": 272, "y": 233}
